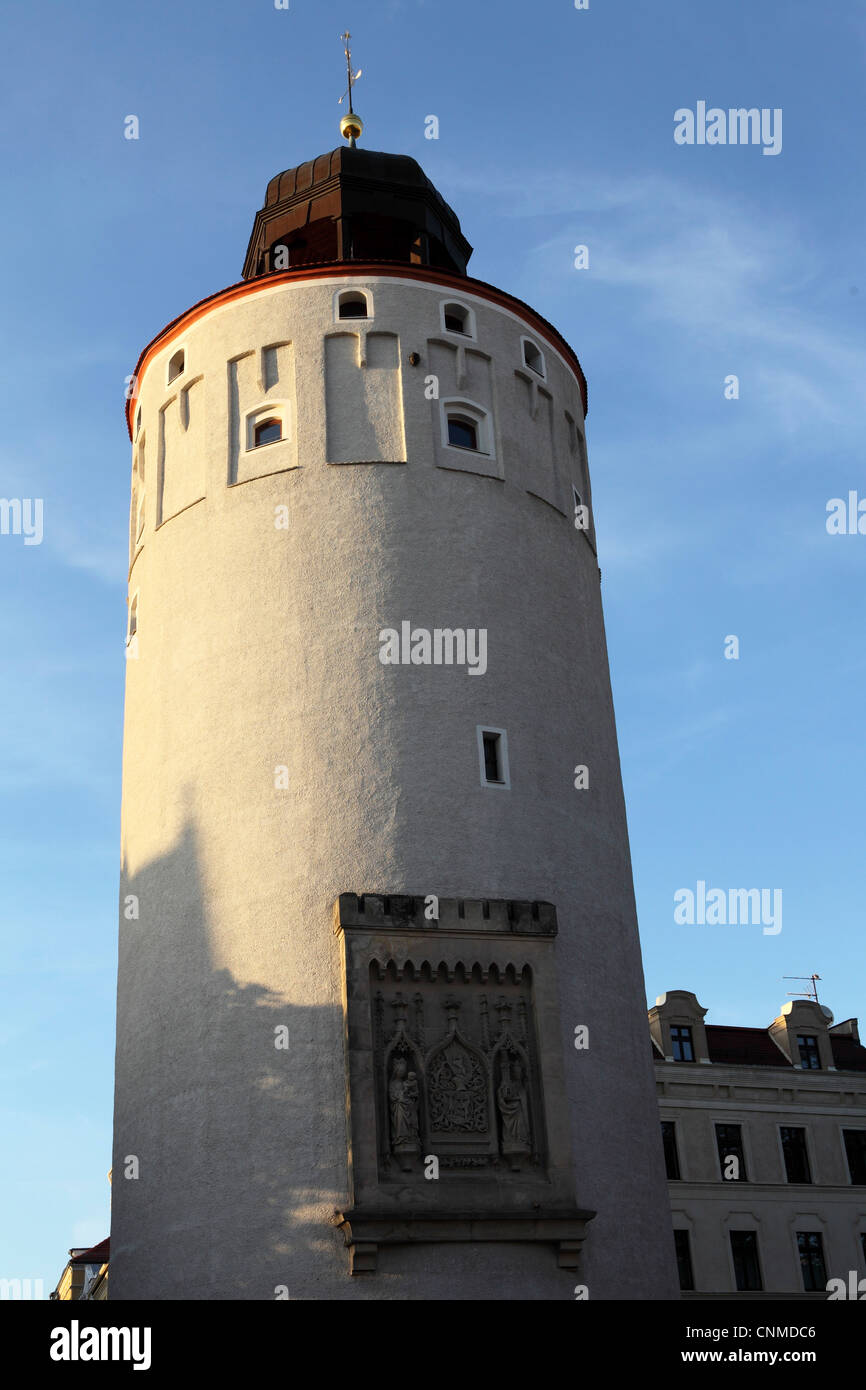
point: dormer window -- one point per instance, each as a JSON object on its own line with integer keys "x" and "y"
{"x": 810, "y": 1056}
{"x": 457, "y": 318}
{"x": 176, "y": 364}
{"x": 353, "y": 305}
{"x": 267, "y": 432}
{"x": 533, "y": 357}
{"x": 682, "y": 1046}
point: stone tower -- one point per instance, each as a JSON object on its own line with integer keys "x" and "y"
{"x": 381, "y": 1026}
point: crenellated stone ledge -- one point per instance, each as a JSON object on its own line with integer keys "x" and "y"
{"x": 405, "y": 912}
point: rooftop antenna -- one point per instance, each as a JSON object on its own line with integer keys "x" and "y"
{"x": 810, "y": 993}
{"x": 351, "y": 126}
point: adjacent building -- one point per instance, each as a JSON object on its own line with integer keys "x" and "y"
{"x": 85, "y": 1276}
{"x": 764, "y": 1133}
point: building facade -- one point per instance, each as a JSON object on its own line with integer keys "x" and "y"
{"x": 380, "y": 1013}
{"x": 764, "y": 1134}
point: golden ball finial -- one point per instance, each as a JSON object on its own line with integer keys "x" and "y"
{"x": 351, "y": 127}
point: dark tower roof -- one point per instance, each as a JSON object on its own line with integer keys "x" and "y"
{"x": 355, "y": 204}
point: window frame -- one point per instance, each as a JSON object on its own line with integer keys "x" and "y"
{"x": 470, "y": 333}
{"x": 259, "y": 415}
{"x": 354, "y": 292}
{"x": 530, "y": 342}
{"x": 478, "y": 415}
{"x": 795, "y": 1129}
{"x": 172, "y": 377}
{"x": 671, "y": 1150}
{"x": 740, "y": 1151}
{"x": 677, "y": 1042}
{"x": 504, "y": 782}
{"x": 686, "y": 1256}
{"x": 845, "y": 1130}
{"x": 746, "y": 1231}
{"x": 821, "y": 1285}
{"x": 264, "y": 424}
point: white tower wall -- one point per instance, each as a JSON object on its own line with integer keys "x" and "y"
{"x": 258, "y": 648}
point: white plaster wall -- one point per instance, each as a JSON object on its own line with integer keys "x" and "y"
{"x": 258, "y": 647}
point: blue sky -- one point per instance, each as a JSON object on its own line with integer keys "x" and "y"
{"x": 556, "y": 129}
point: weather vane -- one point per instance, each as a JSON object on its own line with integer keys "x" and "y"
{"x": 351, "y": 125}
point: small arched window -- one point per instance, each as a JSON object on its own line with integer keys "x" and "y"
{"x": 176, "y": 364}
{"x": 267, "y": 432}
{"x": 533, "y": 357}
{"x": 133, "y": 618}
{"x": 353, "y": 305}
{"x": 455, "y": 318}
{"x": 462, "y": 431}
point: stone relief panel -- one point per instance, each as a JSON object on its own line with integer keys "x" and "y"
{"x": 456, "y": 1108}
{"x": 456, "y": 1069}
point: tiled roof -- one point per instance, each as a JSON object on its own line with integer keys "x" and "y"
{"x": 745, "y": 1047}
{"x": 848, "y": 1054}
{"x": 96, "y": 1255}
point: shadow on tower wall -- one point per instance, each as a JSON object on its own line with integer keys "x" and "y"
{"x": 229, "y": 1149}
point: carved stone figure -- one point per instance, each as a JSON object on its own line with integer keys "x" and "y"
{"x": 513, "y": 1110}
{"x": 403, "y": 1099}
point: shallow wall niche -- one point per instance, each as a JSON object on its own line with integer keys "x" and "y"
{"x": 536, "y": 467}
{"x": 181, "y": 452}
{"x": 256, "y": 380}
{"x": 364, "y": 398}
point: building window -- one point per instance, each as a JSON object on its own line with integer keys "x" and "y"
{"x": 810, "y": 1057}
{"x": 747, "y": 1270}
{"x": 669, "y": 1139}
{"x": 533, "y": 357}
{"x": 267, "y": 424}
{"x": 139, "y": 518}
{"x": 855, "y": 1151}
{"x": 493, "y": 757}
{"x": 796, "y": 1156}
{"x": 732, "y": 1161}
{"x": 811, "y": 1250}
{"x": 267, "y": 432}
{"x": 457, "y": 318}
{"x": 682, "y": 1047}
{"x": 466, "y": 426}
{"x": 352, "y": 304}
{"x": 176, "y": 364}
{"x": 462, "y": 432}
{"x": 684, "y": 1260}
{"x": 137, "y": 421}
{"x": 132, "y": 627}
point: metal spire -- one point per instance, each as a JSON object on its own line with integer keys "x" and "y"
{"x": 351, "y": 125}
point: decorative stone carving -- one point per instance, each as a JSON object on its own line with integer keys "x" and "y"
{"x": 403, "y": 1097}
{"x": 455, "y": 1073}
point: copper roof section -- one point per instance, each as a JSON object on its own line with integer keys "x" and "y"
{"x": 355, "y": 204}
